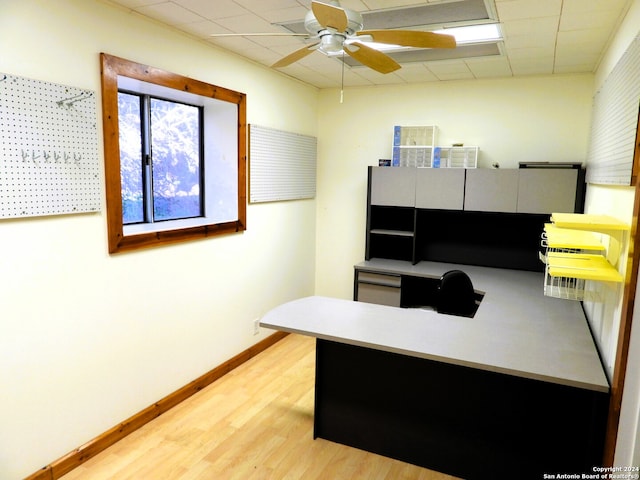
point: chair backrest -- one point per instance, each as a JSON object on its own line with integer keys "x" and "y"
{"x": 455, "y": 294}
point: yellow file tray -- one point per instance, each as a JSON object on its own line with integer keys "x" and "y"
{"x": 568, "y": 239}
{"x": 583, "y": 266}
{"x": 593, "y": 223}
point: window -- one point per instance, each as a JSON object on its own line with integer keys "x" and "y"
{"x": 160, "y": 159}
{"x": 175, "y": 156}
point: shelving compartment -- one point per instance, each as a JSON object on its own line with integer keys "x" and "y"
{"x": 411, "y": 136}
{"x": 391, "y": 233}
{"x": 457, "y": 157}
{"x": 413, "y": 145}
{"x": 420, "y": 157}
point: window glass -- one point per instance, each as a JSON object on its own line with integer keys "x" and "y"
{"x": 130, "y": 135}
{"x": 175, "y": 160}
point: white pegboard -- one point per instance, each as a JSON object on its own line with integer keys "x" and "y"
{"x": 49, "y": 161}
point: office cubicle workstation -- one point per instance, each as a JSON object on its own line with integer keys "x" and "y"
{"x": 512, "y": 386}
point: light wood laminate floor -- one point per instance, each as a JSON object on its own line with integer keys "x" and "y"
{"x": 254, "y": 423}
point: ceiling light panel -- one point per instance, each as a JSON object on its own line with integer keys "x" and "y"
{"x": 432, "y": 14}
{"x": 435, "y": 54}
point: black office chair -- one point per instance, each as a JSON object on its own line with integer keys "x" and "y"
{"x": 455, "y": 294}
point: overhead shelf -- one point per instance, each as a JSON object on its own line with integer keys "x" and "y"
{"x": 397, "y": 233}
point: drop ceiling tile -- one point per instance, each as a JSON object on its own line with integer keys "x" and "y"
{"x": 569, "y": 58}
{"x": 357, "y": 5}
{"x": 328, "y": 72}
{"x": 248, "y": 23}
{"x": 169, "y": 13}
{"x": 535, "y": 52}
{"x": 416, "y": 72}
{"x": 295, "y": 69}
{"x": 283, "y": 15}
{"x": 329, "y": 67}
{"x": 376, "y": 77}
{"x": 530, "y": 41}
{"x": 355, "y": 80}
{"x": 291, "y": 43}
{"x": 450, "y": 70}
{"x": 523, "y": 9}
{"x": 235, "y": 44}
{"x": 489, "y": 68}
{"x": 264, "y": 5}
{"x": 304, "y": 74}
{"x": 201, "y": 29}
{"x": 213, "y": 10}
{"x": 322, "y": 82}
{"x": 540, "y": 26}
{"x": 530, "y": 36}
{"x": 263, "y": 56}
{"x": 583, "y": 20}
{"x": 574, "y": 56}
{"x": 571, "y": 7}
{"x": 323, "y": 64}
{"x": 597, "y": 37}
{"x": 532, "y": 66}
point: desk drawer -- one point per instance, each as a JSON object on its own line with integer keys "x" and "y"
{"x": 380, "y": 294}
{"x": 379, "y": 279}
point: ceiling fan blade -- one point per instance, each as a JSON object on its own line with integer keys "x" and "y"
{"x": 411, "y": 38}
{"x": 295, "y": 56}
{"x": 329, "y": 16}
{"x": 372, "y": 58}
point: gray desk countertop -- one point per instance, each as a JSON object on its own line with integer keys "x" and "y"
{"x": 516, "y": 330}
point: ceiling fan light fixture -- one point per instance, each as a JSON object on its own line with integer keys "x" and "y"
{"x": 331, "y": 43}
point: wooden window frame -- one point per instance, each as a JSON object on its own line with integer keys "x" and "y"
{"x": 111, "y": 68}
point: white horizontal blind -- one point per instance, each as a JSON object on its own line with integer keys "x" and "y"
{"x": 614, "y": 122}
{"x": 282, "y": 165}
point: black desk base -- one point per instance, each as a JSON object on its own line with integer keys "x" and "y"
{"x": 461, "y": 421}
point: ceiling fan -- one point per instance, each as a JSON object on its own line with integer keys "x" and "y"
{"x": 339, "y": 30}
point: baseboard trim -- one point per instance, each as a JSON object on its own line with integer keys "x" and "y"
{"x": 77, "y": 457}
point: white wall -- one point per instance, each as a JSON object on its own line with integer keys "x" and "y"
{"x": 511, "y": 120}
{"x": 88, "y": 339}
